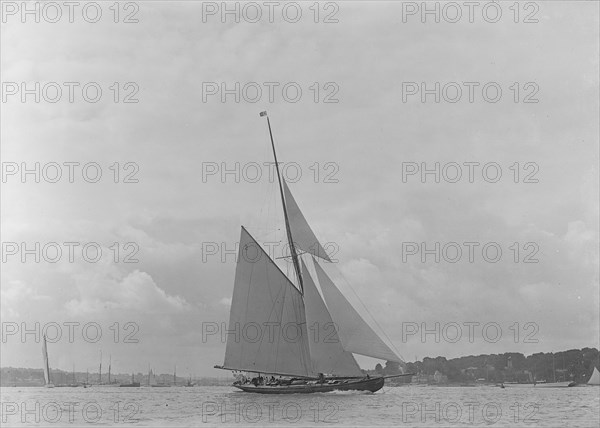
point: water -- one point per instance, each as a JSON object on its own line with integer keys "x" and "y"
{"x": 412, "y": 405}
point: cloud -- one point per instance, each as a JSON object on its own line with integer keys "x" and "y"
{"x": 137, "y": 292}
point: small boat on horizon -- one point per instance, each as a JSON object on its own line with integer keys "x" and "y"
{"x": 540, "y": 384}
{"x": 47, "y": 382}
{"x": 594, "y": 378}
{"x": 133, "y": 383}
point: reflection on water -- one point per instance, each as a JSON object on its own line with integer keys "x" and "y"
{"x": 222, "y": 406}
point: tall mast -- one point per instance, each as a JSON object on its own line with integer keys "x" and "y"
{"x": 46, "y": 360}
{"x": 285, "y": 214}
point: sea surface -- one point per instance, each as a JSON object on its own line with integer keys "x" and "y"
{"x": 411, "y": 406}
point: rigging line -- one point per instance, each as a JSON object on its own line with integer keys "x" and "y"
{"x": 284, "y": 290}
{"x": 266, "y": 191}
{"x": 268, "y": 225}
{"x": 300, "y": 253}
{"x": 370, "y": 314}
{"x": 299, "y": 310}
{"x": 280, "y": 180}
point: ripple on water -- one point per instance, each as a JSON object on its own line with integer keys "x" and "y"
{"x": 222, "y": 406}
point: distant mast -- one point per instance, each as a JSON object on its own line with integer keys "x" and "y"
{"x": 100, "y": 371}
{"x": 293, "y": 252}
{"x": 109, "y": 364}
{"x": 46, "y": 363}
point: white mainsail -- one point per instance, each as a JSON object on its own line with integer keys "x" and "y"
{"x": 594, "y": 378}
{"x": 356, "y": 335}
{"x": 304, "y": 237}
{"x": 326, "y": 350}
{"x": 267, "y": 325}
{"x": 46, "y": 363}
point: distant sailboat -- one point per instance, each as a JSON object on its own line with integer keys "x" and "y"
{"x": 153, "y": 383}
{"x": 263, "y": 295}
{"x": 561, "y": 384}
{"x": 542, "y": 384}
{"x": 594, "y": 378}
{"x": 47, "y": 382}
{"x": 133, "y": 383}
{"x": 74, "y": 384}
{"x": 554, "y": 383}
{"x": 151, "y": 378}
{"x": 100, "y": 370}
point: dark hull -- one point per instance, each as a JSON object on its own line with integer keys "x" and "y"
{"x": 372, "y": 384}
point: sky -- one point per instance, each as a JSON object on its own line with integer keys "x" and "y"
{"x": 174, "y": 212}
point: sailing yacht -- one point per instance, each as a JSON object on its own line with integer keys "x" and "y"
{"x": 265, "y": 298}
{"x": 153, "y": 383}
{"x": 594, "y": 378}
{"x": 542, "y": 384}
{"x": 73, "y": 384}
{"x": 47, "y": 382}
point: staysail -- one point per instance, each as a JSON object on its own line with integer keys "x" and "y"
{"x": 594, "y": 378}
{"x": 267, "y": 325}
{"x": 304, "y": 237}
{"x": 46, "y": 363}
{"x": 356, "y": 335}
{"x": 326, "y": 351}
